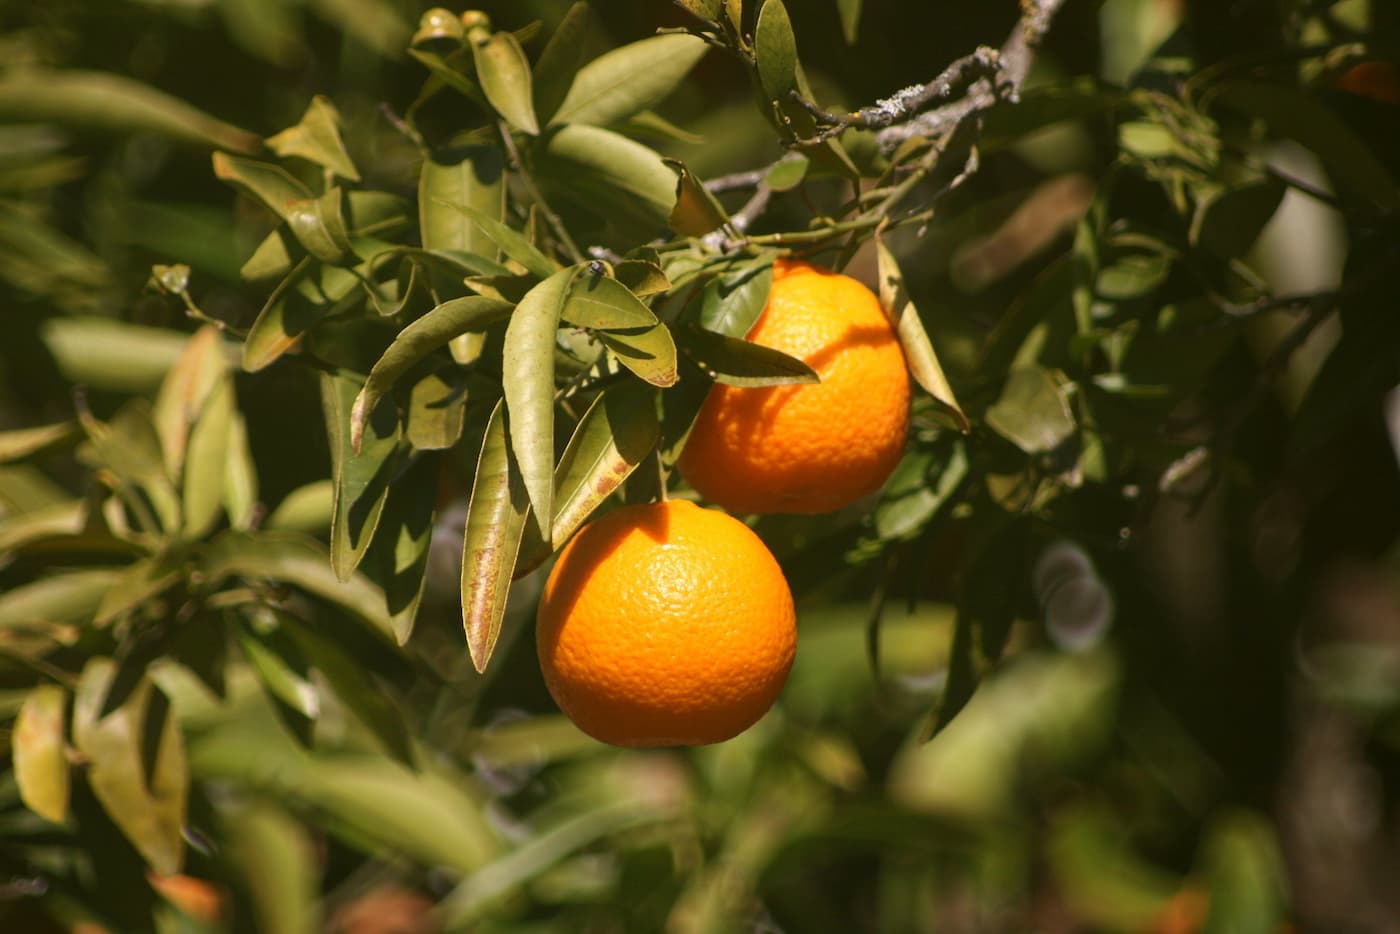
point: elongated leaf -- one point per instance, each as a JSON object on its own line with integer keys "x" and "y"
{"x": 731, "y": 304}
{"x": 436, "y": 413}
{"x": 316, "y": 138}
{"x": 528, "y": 379}
{"x": 298, "y": 560}
{"x": 1230, "y": 221}
{"x": 306, "y": 509}
{"x": 462, "y": 176}
{"x": 1032, "y": 412}
{"x": 129, "y": 449}
{"x": 512, "y": 244}
{"x": 614, "y": 436}
{"x": 206, "y": 467}
{"x": 184, "y": 392}
{"x": 20, "y": 443}
{"x": 415, "y": 342}
{"x": 90, "y": 100}
{"x": 285, "y": 675}
{"x": 610, "y": 175}
{"x": 788, "y": 173}
{"x": 399, "y": 557}
{"x": 270, "y": 184}
{"x": 624, "y": 82}
{"x": 918, "y": 349}
{"x": 319, "y": 224}
{"x": 643, "y": 275}
{"x": 447, "y": 71}
{"x": 697, "y": 212}
{"x": 504, "y": 73}
{"x": 73, "y": 596}
{"x": 736, "y": 362}
{"x": 775, "y": 49}
{"x": 560, "y": 60}
{"x": 496, "y": 516}
{"x": 276, "y": 859}
{"x": 144, "y": 795}
{"x": 240, "y": 477}
{"x": 850, "y": 19}
{"x": 361, "y": 477}
{"x": 648, "y": 352}
{"x": 601, "y": 302}
{"x": 39, "y": 752}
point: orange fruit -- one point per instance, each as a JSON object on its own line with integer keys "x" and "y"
{"x": 816, "y": 447}
{"x": 1377, "y": 80}
{"x": 665, "y": 625}
{"x": 197, "y": 898}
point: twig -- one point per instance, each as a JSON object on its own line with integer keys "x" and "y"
{"x": 555, "y": 224}
{"x": 755, "y": 206}
{"x": 737, "y": 180}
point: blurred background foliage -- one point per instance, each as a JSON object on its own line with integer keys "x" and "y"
{"x": 1166, "y": 299}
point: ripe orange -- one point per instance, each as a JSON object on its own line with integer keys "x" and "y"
{"x": 665, "y": 625}
{"x": 197, "y": 898}
{"x": 810, "y": 448}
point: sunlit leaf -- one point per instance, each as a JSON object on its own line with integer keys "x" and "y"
{"x": 436, "y": 410}
{"x": 399, "y": 558}
{"x": 137, "y": 585}
{"x": 316, "y": 137}
{"x": 496, "y": 517}
{"x": 918, "y": 349}
{"x": 39, "y": 751}
{"x": 90, "y": 100}
{"x": 272, "y": 185}
{"x": 528, "y": 379}
{"x": 608, "y": 174}
{"x": 648, "y": 352}
{"x": 643, "y": 275}
{"x": 19, "y": 443}
{"x": 275, "y": 857}
{"x": 461, "y": 177}
{"x": 362, "y": 475}
{"x": 184, "y": 392}
{"x": 207, "y": 466}
{"x": 850, "y": 19}
{"x": 240, "y": 477}
{"x": 319, "y": 224}
{"x": 504, "y": 73}
{"x": 788, "y": 172}
{"x": 622, "y": 83}
{"x": 731, "y": 304}
{"x": 306, "y": 509}
{"x": 136, "y": 764}
{"x": 599, "y": 301}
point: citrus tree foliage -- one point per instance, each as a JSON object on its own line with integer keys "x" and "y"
{"x": 268, "y": 437}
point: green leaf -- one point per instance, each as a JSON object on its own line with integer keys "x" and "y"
{"x": 295, "y": 559}
{"x": 207, "y": 466}
{"x": 19, "y": 443}
{"x": 560, "y": 60}
{"x": 320, "y": 226}
{"x": 850, "y": 19}
{"x": 608, "y": 174}
{"x": 135, "y": 587}
{"x": 504, "y": 73}
{"x": 436, "y": 412}
{"x": 697, "y": 212}
{"x": 643, "y": 275}
{"x": 918, "y": 349}
{"x": 614, "y": 436}
{"x": 399, "y": 558}
{"x": 316, "y": 138}
{"x": 39, "y": 752}
{"x": 1229, "y": 220}
{"x": 909, "y": 501}
{"x": 737, "y": 362}
{"x": 376, "y": 24}
{"x": 1247, "y": 880}
{"x": 270, "y": 184}
{"x": 414, "y": 343}
{"x": 775, "y": 51}
{"x": 1299, "y": 114}
{"x": 136, "y": 764}
{"x": 447, "y": 71}
{"x": 648, "y": 352}
{"x": 439, "y": 25}
{"x": 184, "y": 392}
{"x": 129, "y": 449}
{"x": 528, "y": 380}
{"x": 284, "y": 674}
{"x": 730, "y": 304}
{"x": 601, "y": 302}
{"x": 306, "y": 509}
{"x": 705, "y": 9}
{"x": 788, "y": 172}
{"x": 456, "y": 177}
{"x": 626, "y": 81}
{"x": 273, "y": 259}
{"x": 1032, "y": 412}
{"x": 69, "y": 597}
{"x": 91, "y": 100}
{"x": 361, "y": 477}
{"x": 496, "y": 516}
{"x": 513, "y": 244}
{"x": 240, "y": 477}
